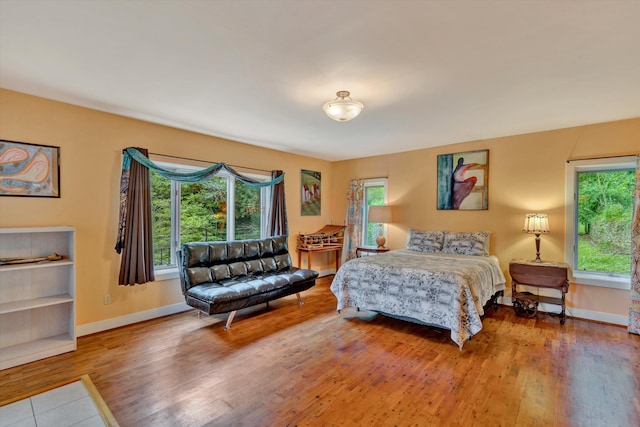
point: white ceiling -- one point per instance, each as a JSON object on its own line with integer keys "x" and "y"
{"x": 429, "y": 72}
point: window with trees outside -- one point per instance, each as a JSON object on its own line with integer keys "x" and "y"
{"x": 599, "y": 220}
{"x": 375, "y": 194}
{"x": 220, "y": 208}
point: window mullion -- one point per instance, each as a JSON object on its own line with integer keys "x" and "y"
{"x": 175, "y": 220}
{"x": 265, "y": 197}
{"x": 231, "y": 208}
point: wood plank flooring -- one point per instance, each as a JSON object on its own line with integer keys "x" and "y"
{"x": 291, "y": 365}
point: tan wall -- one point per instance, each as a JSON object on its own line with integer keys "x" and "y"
{"x": 91, "y": 143}
{"x": 527, "y": 173}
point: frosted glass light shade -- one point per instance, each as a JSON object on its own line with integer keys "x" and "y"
{"x": 343, "y": 108}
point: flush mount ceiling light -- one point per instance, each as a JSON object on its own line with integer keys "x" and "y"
{"x": 343, "y": 108}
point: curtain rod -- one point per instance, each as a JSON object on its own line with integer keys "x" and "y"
{"x": 603, "y": 157}
{"x": 207, "y": 161}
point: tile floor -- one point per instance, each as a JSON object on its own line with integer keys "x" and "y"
{"x": 69, "y": 405}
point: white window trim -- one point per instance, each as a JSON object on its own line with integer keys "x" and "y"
{"x": 373, "y": 182}
{"x": 604, "y": 280}
{"x": 167, "y": 272}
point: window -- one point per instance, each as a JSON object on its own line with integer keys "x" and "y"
{"x": 375, "y": 193}
{"x": 220, "y": 208}
{"x": 599, "y": 215}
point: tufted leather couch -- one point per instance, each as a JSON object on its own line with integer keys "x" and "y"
{"x": 222, "y": 277}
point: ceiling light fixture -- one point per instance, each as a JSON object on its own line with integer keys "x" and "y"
{"x": 343, "y": 108}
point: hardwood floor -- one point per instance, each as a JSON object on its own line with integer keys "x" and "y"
{"x": 308, "y": 365}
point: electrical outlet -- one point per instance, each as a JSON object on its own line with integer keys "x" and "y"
{"x": 107, "y": 299}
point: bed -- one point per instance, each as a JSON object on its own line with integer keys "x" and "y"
{"x": 441, "y": 279}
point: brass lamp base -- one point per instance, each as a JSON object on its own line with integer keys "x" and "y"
{"x": 538, "y": 248}
{"x": 380, "y": 240}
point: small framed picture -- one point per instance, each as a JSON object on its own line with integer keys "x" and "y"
{"x": 29, "y": 170}
{"x": 310, "y": 200}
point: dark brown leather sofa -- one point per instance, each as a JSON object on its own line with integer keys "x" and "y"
{"x": 223, "y": 277}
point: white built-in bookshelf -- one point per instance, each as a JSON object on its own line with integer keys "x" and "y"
{"x": 37, "y": 299}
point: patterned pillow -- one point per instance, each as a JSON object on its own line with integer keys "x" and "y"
{"x": 475, "y": 243}
{"x": 425, "y": 241}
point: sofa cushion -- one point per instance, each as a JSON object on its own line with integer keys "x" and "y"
{"x": 219, "y": 272}
{"x": 238, "y": 269}
{"x": 269, "y": 264}
{"x": 251, "y": 249}
{"x": 232, "y": 290}
{"x": 196, "y": 254}
{"x": 199, "y": 275}
{"x": 280, "y": 245}
{"x": 266, "y": 247}
{"x": 218, "y": 252}
{"x": 235, "y": 250}
{"x": 283, "y": 261}
{"x": 254, "y": 267}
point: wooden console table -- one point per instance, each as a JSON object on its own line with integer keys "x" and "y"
{"x": 310, "y": 251}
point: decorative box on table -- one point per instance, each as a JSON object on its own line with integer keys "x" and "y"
{"x": 327, "y": 236}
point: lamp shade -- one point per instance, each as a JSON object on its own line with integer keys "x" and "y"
{"x": 535, "y": 223}
{"x": 381, "y": 214}
{"x": 343, "y": 108}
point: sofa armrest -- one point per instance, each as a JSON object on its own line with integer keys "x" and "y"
{"x": 182, "y": 272}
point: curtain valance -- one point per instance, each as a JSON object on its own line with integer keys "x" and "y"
{"x": 195, "y": 176}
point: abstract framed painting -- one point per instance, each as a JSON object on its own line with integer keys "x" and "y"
{"x": 310, "y": 201}
{"x": 30, "y": 170}
{"x": 463, "y": 181}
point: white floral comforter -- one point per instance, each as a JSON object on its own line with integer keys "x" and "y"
{"x": 448, "y": 291}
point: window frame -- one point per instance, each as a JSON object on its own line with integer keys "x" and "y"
{"x": 590, "y": 278}
{"x": 169, "y": 271}
{"x": 373, "y": 182}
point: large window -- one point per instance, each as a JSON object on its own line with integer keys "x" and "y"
{"x": 220, "y": 208}
{"x": 599, "y": 219}
{"x": 375, "y": 194}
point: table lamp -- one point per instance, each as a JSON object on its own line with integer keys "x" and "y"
{"x": 382, "y": 215}
{"x": 536, "y": 224}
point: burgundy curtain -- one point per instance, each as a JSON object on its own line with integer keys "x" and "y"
{"x": 277, "y": 224}
{"x": 136, "y": 263}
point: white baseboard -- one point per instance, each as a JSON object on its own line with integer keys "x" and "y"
{"x": 116, "y": 322}
{"x": 579, "y": 313}
{"x": 326, "y": 272}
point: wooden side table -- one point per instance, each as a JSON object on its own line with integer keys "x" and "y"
{"x": 370, "y": 250}
{"x": 546, "y": 274}
{"x": 310, "y": 251}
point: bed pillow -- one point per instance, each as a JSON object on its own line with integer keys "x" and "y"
{"x": 467, "y": 243}
{"x": 425, "y": 241}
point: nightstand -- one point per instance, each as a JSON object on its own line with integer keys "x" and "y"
{"x": 370, "y": 250}
{"x": 547, "y": 275}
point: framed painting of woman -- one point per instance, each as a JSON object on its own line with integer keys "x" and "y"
{"x": 463, "y": 181}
